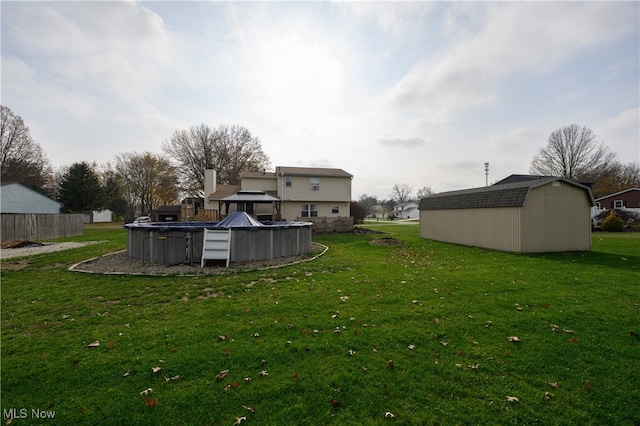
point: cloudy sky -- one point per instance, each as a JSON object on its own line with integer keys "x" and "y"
{"x": 421, "y": 93}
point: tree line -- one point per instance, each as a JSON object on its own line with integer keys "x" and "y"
{"x": 136, "y": 183}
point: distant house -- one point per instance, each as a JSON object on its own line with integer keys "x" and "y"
{"x": 627, "y": 199}
{"x": 288, "y": 193}
{"x": 98, "y": 216}
{"x": 406, "y": 211}
{"x": 379, "y": 211}
{"x": 167, "y": 213}
{"x": 545, "y": 214}
{"x": 17, "y": 198}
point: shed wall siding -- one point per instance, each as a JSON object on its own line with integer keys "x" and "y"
{"x": 556, "y": 218}
{"x": 497, "y": 229}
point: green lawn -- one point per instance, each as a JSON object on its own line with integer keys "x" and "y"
{"x": 418, "y": 331}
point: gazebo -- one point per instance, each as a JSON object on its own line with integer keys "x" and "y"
{"x": 245, "y": 200}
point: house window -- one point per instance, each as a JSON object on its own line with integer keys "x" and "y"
{"x": 618, "y": 204}
{"x": 287, "y": 181}
{"x": 309, "y": 210}
{"x": 598, "y": 204}
{"x": 315, "y": 184}
{"x": 335, "y": 210}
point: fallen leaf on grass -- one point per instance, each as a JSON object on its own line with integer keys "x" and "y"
{"x": 239, "y": 420}
{"x": 554, "y": 385}
{"x": 574, "y": 341}
{"x": 146, "y": 391}
{"x": 156, "y": 369}
{"x": 512, "y": 399}
{"x": 127, "y": 373}
{"x": 351, "y": 352}
{"x": 221, "y": 375}
{"x": 253, "y": 410}
{"x": 390, "y": 364}
{"x": 264, "y": 373}
{"x": 412, "y": 347}
{"x": 389, "y": 414}
{"x": 94, "y": 344}
{"x": 514, "y": 339}
{"x": 150, "y": 402}
{"x": 443, "y": 343}
{"x": 548, "y": 396}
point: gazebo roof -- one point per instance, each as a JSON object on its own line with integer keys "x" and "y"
{"x": 245, "y": 196}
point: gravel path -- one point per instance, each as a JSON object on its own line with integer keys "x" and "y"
{"x": 9, "y": 253}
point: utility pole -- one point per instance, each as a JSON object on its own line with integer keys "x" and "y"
{"x": 486, "y": 174}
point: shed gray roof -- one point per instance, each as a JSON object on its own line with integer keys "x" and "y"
{"x": 495, "y": 196}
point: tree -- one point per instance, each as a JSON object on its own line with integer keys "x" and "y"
{"x": 401, "y": 193}
{"x": 367, "y": 203}
{"x": 21, "y": 158}
{"x": 572, "y": 152}
{"x": 114, "y": 198}
{"x": 230, "y": 150}
{"x": 148, "y": 181}
{"x": 357, "y": 212}
{"x": 80, "y": 188}
{"x": 616, "y": 178}
{"x": 424, "y": 192}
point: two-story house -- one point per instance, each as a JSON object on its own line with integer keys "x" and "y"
{"x": 289, "y": 193}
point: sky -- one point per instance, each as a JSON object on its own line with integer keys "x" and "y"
{"x": 416, "y": 93}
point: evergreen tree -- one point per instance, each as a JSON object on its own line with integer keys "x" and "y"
{"x": 80, "y": 189}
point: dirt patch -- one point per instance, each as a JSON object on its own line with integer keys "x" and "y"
{"x": 14, "y": 266}
{"x": 386, "y": 241}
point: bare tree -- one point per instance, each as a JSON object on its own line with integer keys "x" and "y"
{"x": 424, "y": 192}
{"x": 616, "y": 178}
{"x": 21, "y": 158}
{"x": 572, "y": 152}
{"x": 148, "y": 181}
{"x": 401, "y": 193}
{"x": 230, "y": 150}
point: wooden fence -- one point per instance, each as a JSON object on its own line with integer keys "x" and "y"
{"x": 40, "y": 227}
{"x": 327, "y": 225}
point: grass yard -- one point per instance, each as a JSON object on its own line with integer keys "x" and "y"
{"x": 416, "y": 333}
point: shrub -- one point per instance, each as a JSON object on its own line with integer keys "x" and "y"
{"x": 612, "y": 223}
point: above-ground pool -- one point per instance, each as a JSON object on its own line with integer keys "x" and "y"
{"x": 171, "y": 243}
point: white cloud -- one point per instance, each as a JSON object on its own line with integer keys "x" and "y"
{"x": 466, "y": 75}
{"x": 395, "y": 18}
{"x": 622, "y": 135}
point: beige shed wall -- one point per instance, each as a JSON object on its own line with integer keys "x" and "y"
{"x": 556, "y": 217}
{"x": 497, "y": 229}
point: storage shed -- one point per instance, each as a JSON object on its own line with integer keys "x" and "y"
{"x": 546, "y": 214}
